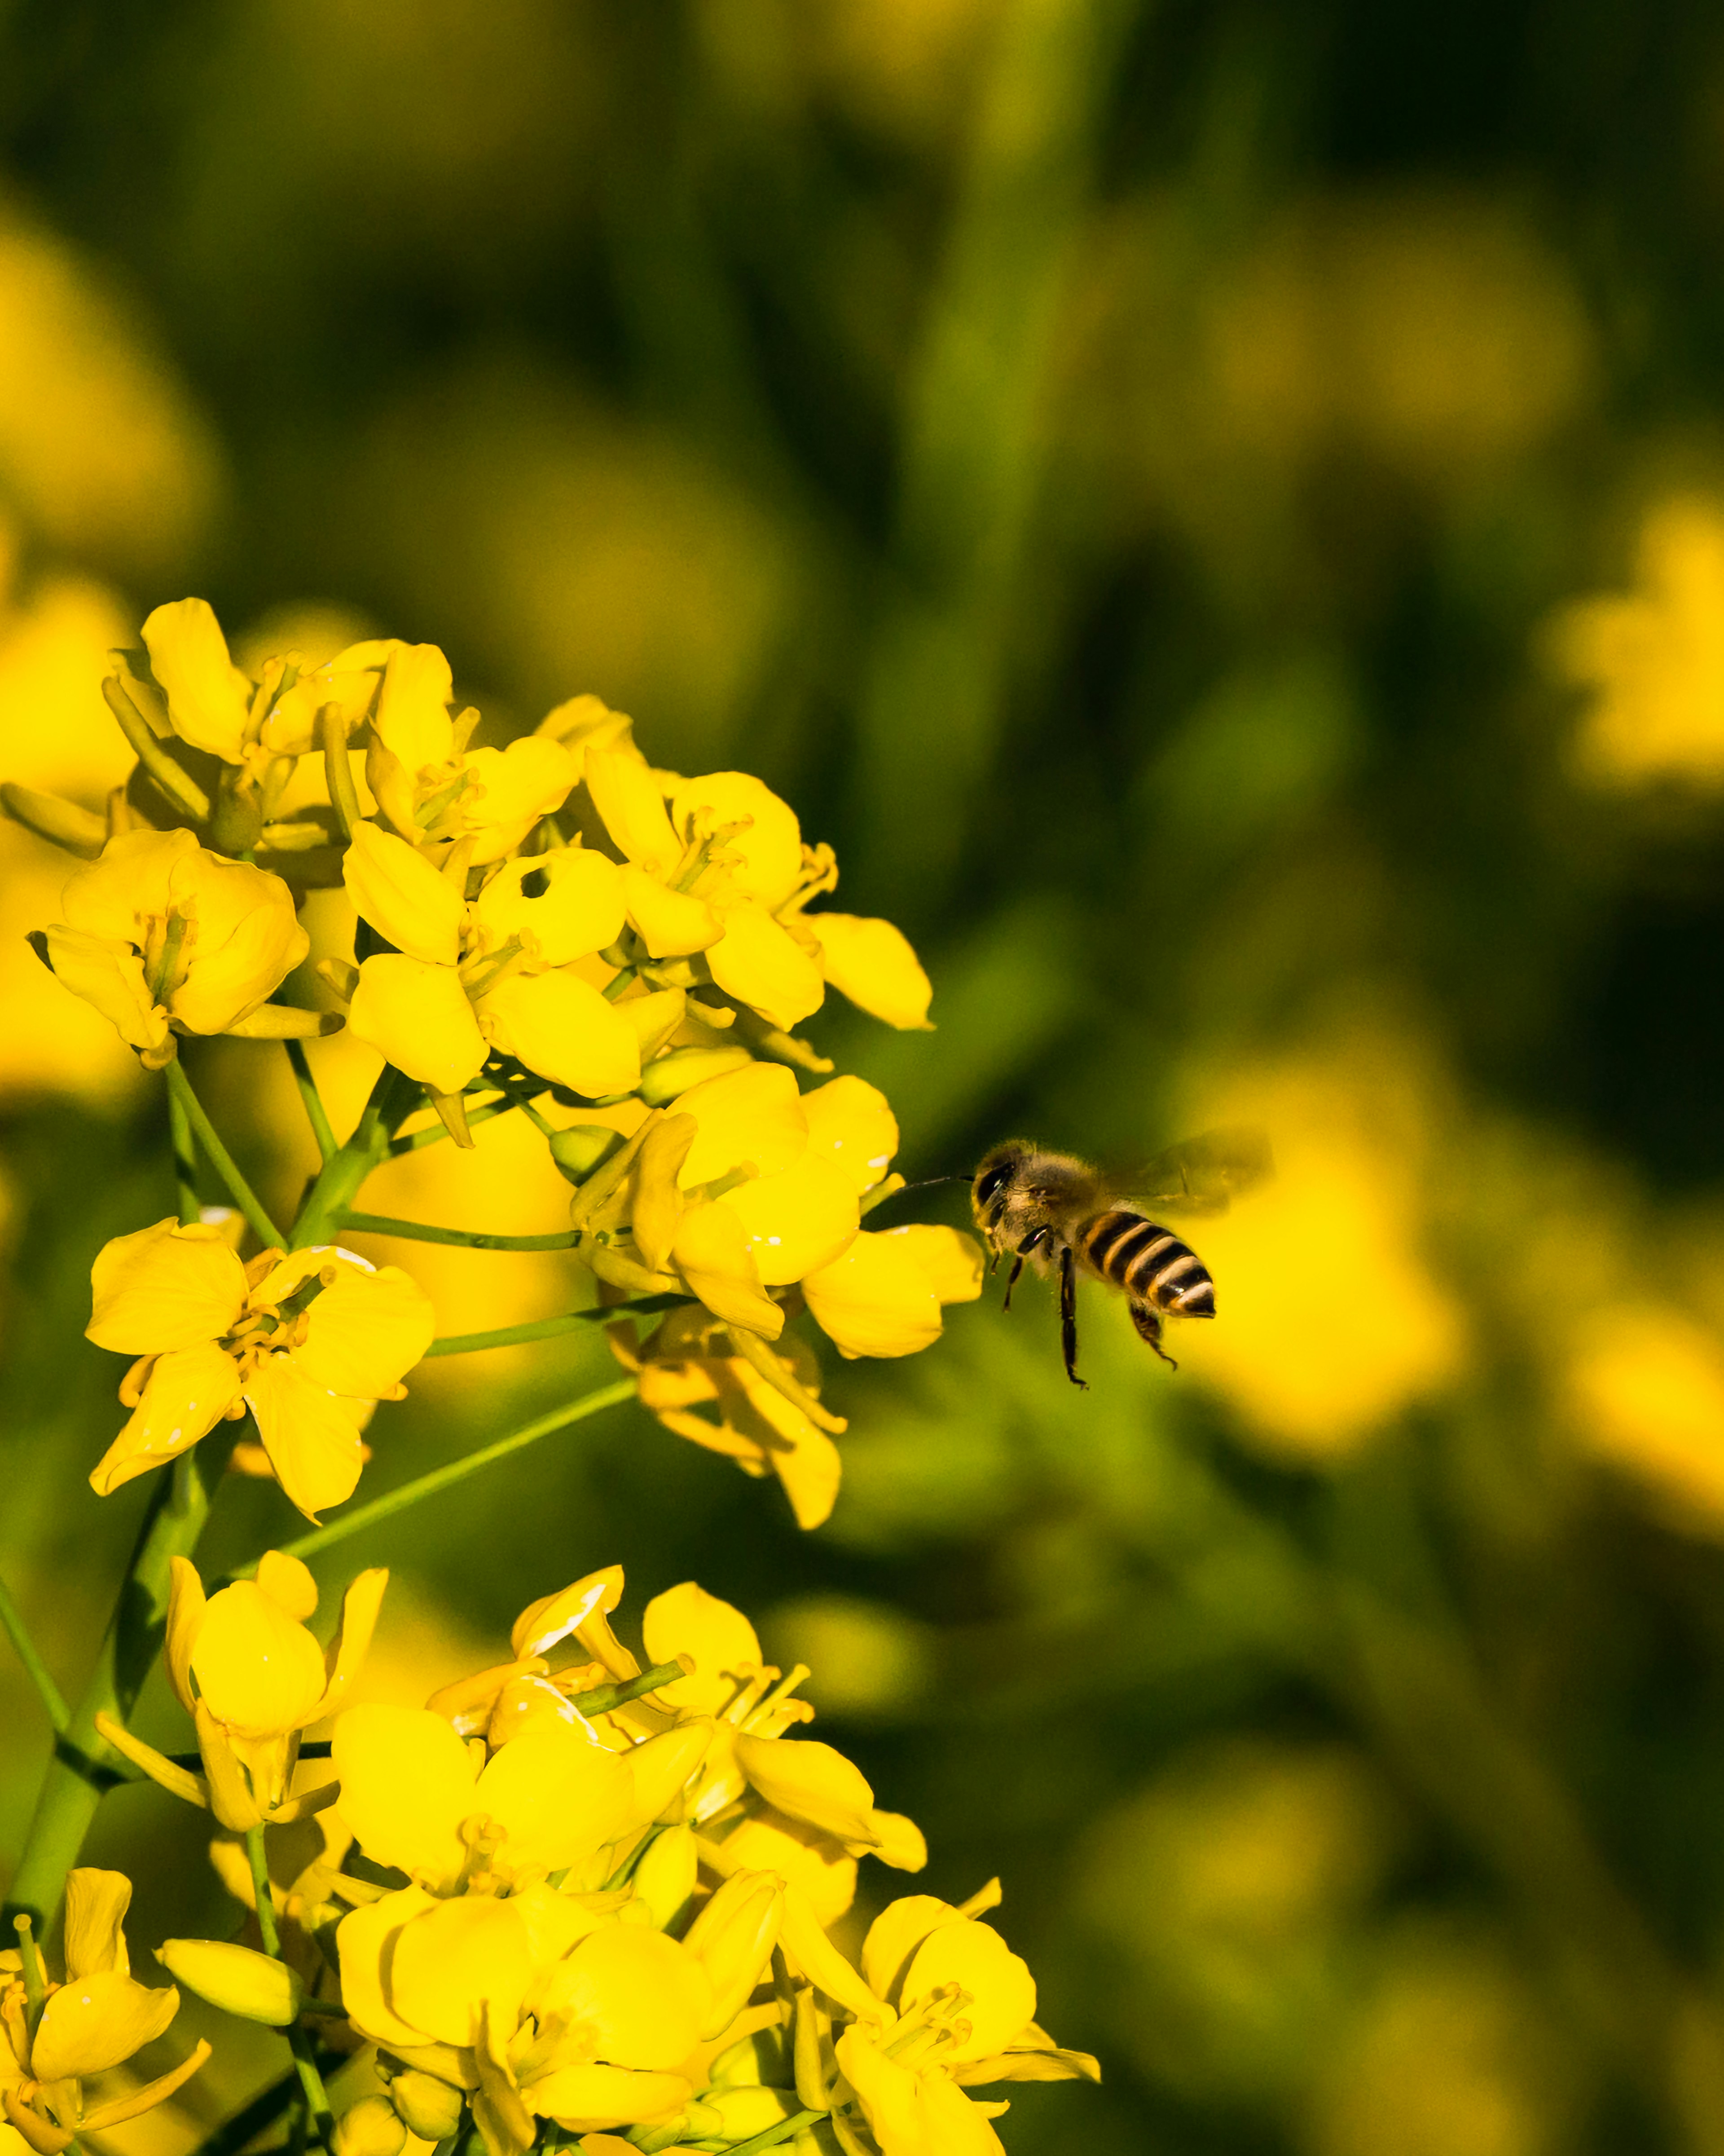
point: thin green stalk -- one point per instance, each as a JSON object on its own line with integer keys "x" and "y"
{"x": 547, "y": 1328}
{"x": 299, "y": 2040}
{"x": 35, "y": 1668}
{"x": 458, "y": 1471}
{"x": 315, "y": 1114}
{"x": 81, "y": 1770}
{"x": 420, "y": 1231}
{"x": 324, "y": 1213}
{"x": 179, "y": 1088}
{"x": 337, "y": 771}
{"x": 185, "y": 1162}
{"x": 602, "y": 1698}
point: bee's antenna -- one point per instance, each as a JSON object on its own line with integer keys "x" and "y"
{"x": 928, "y": 1182}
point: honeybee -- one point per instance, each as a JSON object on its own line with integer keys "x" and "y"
{"x": 1059, "y": 1213}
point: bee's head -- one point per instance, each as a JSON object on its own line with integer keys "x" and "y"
{"x": 994, "y": 1177}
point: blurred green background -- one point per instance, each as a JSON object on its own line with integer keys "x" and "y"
{"x": 1217, "y": 511}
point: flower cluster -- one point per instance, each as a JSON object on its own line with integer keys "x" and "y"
{"x": 572, "y": 1896}
{"x": 554, "y": 927}
{"x": 54, "y": 2037}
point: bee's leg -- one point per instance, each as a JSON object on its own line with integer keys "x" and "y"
{"x": 1148, "y": 1322}
{"x": 1067, "y": 1313}
{"x": 1033, "y": 1240}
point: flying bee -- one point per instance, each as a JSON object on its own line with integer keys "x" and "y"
{"x": 1059, "y": 1213}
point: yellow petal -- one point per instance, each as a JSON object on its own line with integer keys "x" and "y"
{"x": 663, "y": 1765}
{"x": 872, "y": 962}
{"x": 237, "y": 1979}
{"x": 407, "y": 1785}
{"x": 584, "y": 722}
{"x": 765, "y": 857}
{"x": 365, "y": 1331}
{"x": 556, "y": 1794}
{"x": 96, "y": 1902}
{"x": 245, "y": 938}
{"x": 753, "y": 1115}
{"x": 95, "y": 2022}
{"x": 418, "y": 1016}
{"x": 822, "y": 1868}
{"x": 670, "y": 923}
{"x": 808, "y": 1465}
{"x": 509, "y": 790}
{"x": 208, "y": 698}
{"x": 797, "y": 1220}
{"x": 655, "y": 1205}
{"x": 952, "y": 1262}
{"x": 725, "y": 1648}
{"x": 132, "y": 885}
{"x": 365, "y": 1942}
{"x": 733, "y": 1937}
{"x": 372, "y": 2126}
{"x": 666, "y": 1876}
{"x": 109, "y": 975}
{"x": 563, "y": 1029}
{"x": 643, "y": 1997}
{"x": 585, "y": 2098}
{"x": 291, "y": 728}
{"x": 288, "y": 1582}
{"x": 41, "y": 2134}
{"x": 654, "y": 1018}
{"x": 134, "y": 2102}
{"x": 809, "y": 1781}
{"x": 346, "y": 1651}
{"x": 576, "y": 907}
{"x": 544, "y": 1623}
{"x": 852, "y": 1123}
{"x": 758, "y": 961}
{"x": 809, "y": 1952}
{"x": 895, "y": 1937}
{"x": 974, "y": 1957}
{"x": 413, "y": 721}
{"x": 258, "y": 1670}
{"x": 452, "y": 1960}
{"x": 396, "y": 889}
{"x": 898, "y": 1841}
{"x": 187, "y": 1395}
{"x": 311, "y": 1436}
{"x": 711, "y": 1251}
{"x": 876, "y": 1299}
{"x": 164, "y": 1287}
{"x": 631, "y": 804}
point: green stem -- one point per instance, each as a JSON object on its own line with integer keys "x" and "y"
{"x": 325, "y": 1212}
{"x": 299, "y": 2040}
{"x": 35, "y": 1667}
{"x": 420, "y": 1231}
{"x": 458, "y": 1471}
{"x": 547, "y": 1328}
{"x": 184, "y": 1161}
{"x": 602, "y": 1698}
{"x": 179, "y": 1088}
{"x": 80, "y": 1769}
{"x": 315, "y": 1114}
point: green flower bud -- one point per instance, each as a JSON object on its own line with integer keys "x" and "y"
{"x": 683, "y": 1067}
{"x": 582, "y": 1148}
{"x": 236, "y": 1978}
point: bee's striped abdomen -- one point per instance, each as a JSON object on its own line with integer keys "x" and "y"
{"x": 1149, "y": 1262}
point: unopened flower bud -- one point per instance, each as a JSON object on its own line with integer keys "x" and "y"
{"x": 236, "y": 1978}
{"x": 582, "y": 1148}
{"x": 370, "y": 2128}
{"x": 431, "y": 2108}
{"x": 665, "y": 1878}
{"x": 733, "y": 1937}
{"x": 683, "y": 1067}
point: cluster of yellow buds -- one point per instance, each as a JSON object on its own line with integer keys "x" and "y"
{"x": 554, "y": 927}
{"x": 575, "y": 1896}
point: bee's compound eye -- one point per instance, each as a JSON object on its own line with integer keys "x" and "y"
{"x": 989, "y": 1184}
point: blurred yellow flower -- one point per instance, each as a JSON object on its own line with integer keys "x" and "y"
{"x": 245, "y": 1666}
{"x": 162, "y": 936}
{"x": 1652, "y": 660}
{"x": 1645, "y": 1394}
{"x": 308, "y": 1342}
{"x": 93, "y": 2021}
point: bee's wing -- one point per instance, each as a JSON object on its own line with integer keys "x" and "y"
{"x": 1207, "y": 1172}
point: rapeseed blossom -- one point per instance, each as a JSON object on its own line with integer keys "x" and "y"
{"x": 554, "y": 928}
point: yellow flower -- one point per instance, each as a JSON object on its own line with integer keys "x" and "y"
{"x": 762, "y": 846}
{"x": 882, "y": 1297}
{"x": 96, "y": 2019}
{"x": 164, "y": 936}
{"x": 245, "y": 1666}
{"x": 308, "y": 1342}
{"x": 872, "y": 964}
{"x": 416, "y": 1796}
